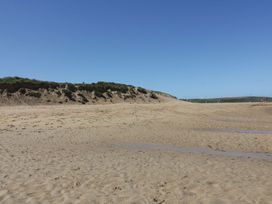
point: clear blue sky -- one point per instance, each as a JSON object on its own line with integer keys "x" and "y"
{"x": 189, "y": 48}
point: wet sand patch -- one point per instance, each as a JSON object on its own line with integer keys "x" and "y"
{"x": 194, "y": 150}
{"x": 232, "y": 130}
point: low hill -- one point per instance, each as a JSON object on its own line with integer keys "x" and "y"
{"x": 17, "y": 90}
{"x": 231, "y": 99}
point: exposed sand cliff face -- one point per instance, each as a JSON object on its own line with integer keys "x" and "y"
{"x": 77, "y": 94}
{"x": 129, "y": 153}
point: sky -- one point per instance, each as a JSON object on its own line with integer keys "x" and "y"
{"x": 188, "y": 48}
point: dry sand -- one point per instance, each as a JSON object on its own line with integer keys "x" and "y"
{"x": 130, "y": 153}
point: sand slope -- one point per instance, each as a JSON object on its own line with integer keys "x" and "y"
{"x": 78, "y": 154}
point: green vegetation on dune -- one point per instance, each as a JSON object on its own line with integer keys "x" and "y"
{"x": 15, "y": 80}
{"x": 231, "y": 99}
{"x": 13, "y": 84}
{"x": 101, "y": 87}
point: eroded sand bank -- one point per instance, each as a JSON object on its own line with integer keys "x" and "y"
{"x": 68, "y": 154}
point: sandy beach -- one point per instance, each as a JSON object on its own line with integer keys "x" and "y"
{"x": 172, "y": 152}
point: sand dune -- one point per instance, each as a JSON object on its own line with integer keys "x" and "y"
{"x": 81, "y": 154}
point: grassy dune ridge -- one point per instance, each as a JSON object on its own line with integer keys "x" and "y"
{"x": 17, "y": 90}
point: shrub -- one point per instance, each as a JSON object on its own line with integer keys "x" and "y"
{"x": 142, "y": 90}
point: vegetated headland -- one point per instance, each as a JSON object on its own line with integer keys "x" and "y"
{"x": 231, "y": 99}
